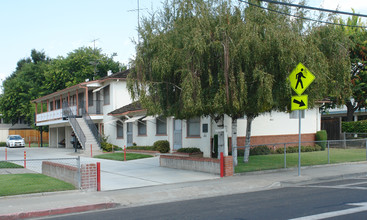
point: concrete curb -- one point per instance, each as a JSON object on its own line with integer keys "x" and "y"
{"x": 59, "y": 211}
{"x": 321, "y": 179}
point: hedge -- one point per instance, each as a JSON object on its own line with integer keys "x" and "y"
{"x": 354, "y": 126}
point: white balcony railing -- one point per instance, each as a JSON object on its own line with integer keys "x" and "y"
{"x": 53, "y": 115}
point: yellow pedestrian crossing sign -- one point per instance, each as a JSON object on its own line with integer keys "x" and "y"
{"x": 299, "y": 102}
{"x": 300, "y": 78}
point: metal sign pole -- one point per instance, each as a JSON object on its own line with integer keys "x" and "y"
{"x": 299, "y": 143}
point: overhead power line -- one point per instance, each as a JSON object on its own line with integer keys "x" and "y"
{"x": 305, "y": 18}
{"x": 314, "y": 8}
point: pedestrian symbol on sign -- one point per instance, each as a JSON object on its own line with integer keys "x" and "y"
{"x": 299, "y": 77}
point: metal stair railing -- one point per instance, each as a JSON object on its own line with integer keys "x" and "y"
{"x": 68, "y": 113}
{"x": 92, "y": 127}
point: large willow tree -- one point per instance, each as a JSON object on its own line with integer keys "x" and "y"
{"x": 212, "y": 57}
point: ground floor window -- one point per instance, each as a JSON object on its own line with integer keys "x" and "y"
{"x": 119, "y": 129}
{"x": 161, "y": 124}
{"x": 142, "y": 127}
{"x": 193, "y": 127}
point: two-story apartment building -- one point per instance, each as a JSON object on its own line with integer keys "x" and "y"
{"x": 104, "y": 107}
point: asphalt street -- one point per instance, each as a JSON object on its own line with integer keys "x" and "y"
{"x": 344, "y": 199}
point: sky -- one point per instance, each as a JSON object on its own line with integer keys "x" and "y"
{"x": 58, "y": 27}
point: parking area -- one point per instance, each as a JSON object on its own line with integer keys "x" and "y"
{"x": 114, "y": 174}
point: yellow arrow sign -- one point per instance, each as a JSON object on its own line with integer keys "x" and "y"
{"x": 299, "y": 102}
{"x": 300, "y": 78}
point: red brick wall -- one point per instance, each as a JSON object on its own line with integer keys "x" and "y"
{"x": 228, "y": 166}
{"x": 272, "y": 139}
{"x": 89, "y": 176}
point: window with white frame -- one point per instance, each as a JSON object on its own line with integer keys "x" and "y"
{"x": 119, "y": 129}
{"x": 106, "y": 95}
{"x": 161, "y": 124}
{"x": 193, "y": 127}
{"x": 142, "y": 127}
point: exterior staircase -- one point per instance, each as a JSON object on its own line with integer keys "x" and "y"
{"x": 91, "y": 143}
{"x": 84, "y": 129}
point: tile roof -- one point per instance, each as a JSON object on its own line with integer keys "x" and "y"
{"x": 130, "y": 108}
{"x": 118, "y": 75}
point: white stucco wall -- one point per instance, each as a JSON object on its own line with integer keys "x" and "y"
{"x": 202, "y": 142}
{"x": 119, "y": 97}
{"x": 280, "y": 123}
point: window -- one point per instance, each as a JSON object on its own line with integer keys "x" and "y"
{"x": 120, "y": 129}
{"x": 294, "y": 114}
{"x": 142, "y": 127}
{"x": 193, "y": 127}
{"x": 57, "y": 103}
{"x": 106, "y": 95}
{"x": 51, "y": 106}
{"x": 90, "y": 98}
{"x": 161, "y": 125}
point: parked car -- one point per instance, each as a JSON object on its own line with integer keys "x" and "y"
{"x": 15, "y": 141}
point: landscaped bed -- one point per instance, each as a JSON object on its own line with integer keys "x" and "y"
{"x": 276, "y": 161}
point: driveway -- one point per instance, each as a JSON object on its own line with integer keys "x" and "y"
{"x": 114, "y": 174}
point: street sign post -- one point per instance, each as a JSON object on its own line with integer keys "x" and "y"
{"x": 300, "y": 78}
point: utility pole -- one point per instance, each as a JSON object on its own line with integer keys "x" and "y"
{"x": 138, "y": 10}
{"x": 95, "y": 62}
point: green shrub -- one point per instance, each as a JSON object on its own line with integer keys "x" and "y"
{"x": 279, "y": 150}
{"x": 294, "y": 149}
{"x": 321, "y": 136}
{"x": 107, "y": 146}
{"x": 260, "y": 150}
{"x": 162, "y": 146}
{"x": 189, "y": 150}
{"x": 151, "y": 148}
{"x": 2, "y": 144}
{"x": 354, "y": 126}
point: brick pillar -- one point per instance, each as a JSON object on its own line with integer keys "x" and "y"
{"x": 89, "y": 177}
{"x": 228, "y": 166}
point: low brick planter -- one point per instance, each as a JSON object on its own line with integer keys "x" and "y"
{"x": 197, "y": 154}
{"x": 208, "y": 165}
{"x": 87, "y": 178}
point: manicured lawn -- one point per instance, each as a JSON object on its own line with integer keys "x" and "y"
{"x": 276, "y": 161}
{"x": 4, "y": 165}
{"x": 120, "y": 156}
{"x": 16, "y": 184}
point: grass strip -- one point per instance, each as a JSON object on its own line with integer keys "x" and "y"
{"x": 120, "y": 156}
{"x": 276, "y": 161}
{"x": 5, "y": 165}
{"x": 16, "y": 184}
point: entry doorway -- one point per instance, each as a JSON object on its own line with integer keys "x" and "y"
{"x": 129, "y": 134}
{"x": 177, "y": 134}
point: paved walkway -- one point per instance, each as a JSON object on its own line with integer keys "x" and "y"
{"x": 114, "y": 174}
{"x": 36, "y": 205}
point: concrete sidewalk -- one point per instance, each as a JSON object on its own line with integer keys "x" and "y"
{"x": 36, "y": 205}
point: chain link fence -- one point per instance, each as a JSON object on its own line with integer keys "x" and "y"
{"x": 285, "y": 155}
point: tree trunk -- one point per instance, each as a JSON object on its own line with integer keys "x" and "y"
{"x": 234, "y": 141}
{"x": 248, "y": 139}
{"x": 350, "y": 111}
